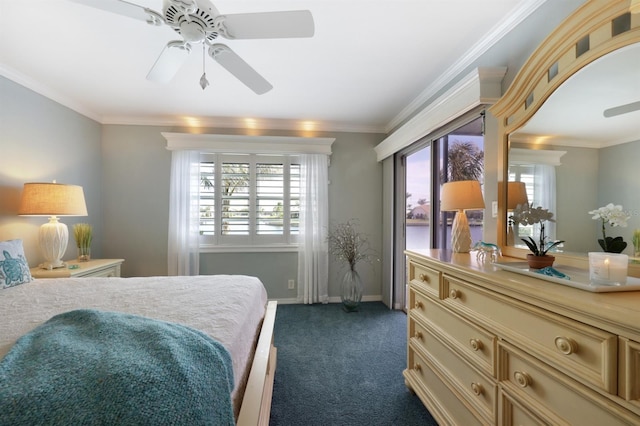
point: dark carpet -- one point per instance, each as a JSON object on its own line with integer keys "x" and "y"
{"x": 337, "y": 368}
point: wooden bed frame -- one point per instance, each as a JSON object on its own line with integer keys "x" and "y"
{"x": 256, "y": 402}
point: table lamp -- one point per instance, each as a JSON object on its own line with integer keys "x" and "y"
{"x": 52, "y": 199}
{"x": 516, "y": 195}
{"x": 459, "y": 196}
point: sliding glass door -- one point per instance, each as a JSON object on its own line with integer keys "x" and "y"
{"x": 455, "y": 153}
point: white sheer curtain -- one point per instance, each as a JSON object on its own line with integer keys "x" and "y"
{"x": 313, "y": 256}
{"x": 184, "y": 221}
{"x": 544, "y": 194}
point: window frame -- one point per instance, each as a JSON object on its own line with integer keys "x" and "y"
{"x": 252, "y": 241}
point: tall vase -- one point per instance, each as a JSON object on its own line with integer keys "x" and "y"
{"x": 351, "y": 290}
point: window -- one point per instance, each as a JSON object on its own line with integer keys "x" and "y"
{"x": 248, "y": 199}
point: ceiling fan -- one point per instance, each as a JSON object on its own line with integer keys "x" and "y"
{"x": 199, "y": 22}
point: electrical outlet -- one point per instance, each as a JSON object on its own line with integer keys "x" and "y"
{"x": 292, "y": 284}
{"x": 494, "y": 208}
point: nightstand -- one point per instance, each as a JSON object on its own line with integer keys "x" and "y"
{"x": 92, "y": 268}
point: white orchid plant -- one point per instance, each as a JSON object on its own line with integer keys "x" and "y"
{"x": 615, "y": 216}
{"x": 526, "y": 214}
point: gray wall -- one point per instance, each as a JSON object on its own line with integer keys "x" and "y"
{"x": 42, "y": 141}
{"x": 618, "y": 183}
{"x": 589, "y": 178}
{"x": 135, "y": 178}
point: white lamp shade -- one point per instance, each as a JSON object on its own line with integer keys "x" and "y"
{"x": 52, "y": 199}
{"x": 516, "y": 194}
{"x": 461, "y": 195}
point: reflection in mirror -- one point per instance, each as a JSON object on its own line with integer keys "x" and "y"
{"x": 574, "y": 157}
{"x": 516, "y": 196}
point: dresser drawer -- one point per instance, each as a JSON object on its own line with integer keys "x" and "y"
{"x": 512, "y": 413}
{"x": 557, "y": 396}
{"x": 471, "y": 341}
{"x": 629, "y": 372}
{"x": 424, "y": 278}
{"x": 585, "y": 352}
{"x": 446, "y": 406}
{"x": 478, "y": 390}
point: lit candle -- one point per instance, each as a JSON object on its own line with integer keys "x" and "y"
{"x": 608, "y": 268}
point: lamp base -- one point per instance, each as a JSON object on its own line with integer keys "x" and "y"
{"x": 460, "y": 233}
{"x": 53, "y": 238}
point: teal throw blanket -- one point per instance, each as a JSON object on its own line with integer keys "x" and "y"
{"x": 89, "y": 367}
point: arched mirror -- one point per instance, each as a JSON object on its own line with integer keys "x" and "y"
{"x": 570, "y": 132}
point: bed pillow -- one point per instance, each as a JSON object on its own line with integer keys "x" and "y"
{"x": 14, "y": 268}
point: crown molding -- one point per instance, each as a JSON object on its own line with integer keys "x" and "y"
{"x": 45, "y": 91}
{"x": 485, "y": 43}
{"x": 480, "y": 87}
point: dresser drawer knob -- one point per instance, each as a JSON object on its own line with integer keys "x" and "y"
{"x": 417, "y": 367}
{"x": 477, "y": 388}
{"x": 475, "y": 344}
{"x": 418, "y": 335}
{"x": 418, "y": 304}
{"x": 566, "y": 345}
{"x": 454, "y": 294}
{"x": 522, "y": 379}
{"x": 424, "y": 278}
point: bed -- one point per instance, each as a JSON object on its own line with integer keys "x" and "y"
{"x": 231, "y": 309}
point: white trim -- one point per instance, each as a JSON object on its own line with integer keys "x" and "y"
{"x": 485, "y": 43}
{"x": 535, "y": 156}
{"x": 335, "y": 299}
{"x": 274, "y": 248}
{"x": 481, "y": 86}
{"x": 47, "y": 92}
{"x": 247, "y": 144}
{"x": 255, "y": 124}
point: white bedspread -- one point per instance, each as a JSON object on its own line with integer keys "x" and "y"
{"x": 228, "y": 308}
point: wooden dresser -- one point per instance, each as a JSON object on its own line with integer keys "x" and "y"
{"x": 487, "y": 346}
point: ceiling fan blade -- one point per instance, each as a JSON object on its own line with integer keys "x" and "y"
{"x": 289, "y": 24}
{"x": 171, "y": 58}
{"x": 622, "y": 109}
{"x": 239, "y": 68}
{"x": 122, "y": 7}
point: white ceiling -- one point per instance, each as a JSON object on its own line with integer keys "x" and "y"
{"x": 369, "y": 64}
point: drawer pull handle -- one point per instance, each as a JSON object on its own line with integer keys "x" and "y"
{"x": 454, "y": 294}
{"x": 418, "y": 304}
{"x": 477, "y": 388}
{"x": 417, "y": 367}
{"x": 522, "y": 379}
{"x": 475, "y": 344}
{"x": 566, "y": 345}
{"x": 424, "y": 278}
{"x": 418, "y": 335}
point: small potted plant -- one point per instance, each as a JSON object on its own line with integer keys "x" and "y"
{"x": 83, "y": 233}
{"x": 636, "y": 243}
{"x": 526, "y": 214}
{"x": 614, "y": 216}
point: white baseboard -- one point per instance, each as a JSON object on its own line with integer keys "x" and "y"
{"x": 293, "y": 301}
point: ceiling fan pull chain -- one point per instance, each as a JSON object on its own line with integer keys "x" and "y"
{"x": 203, "y": 80}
